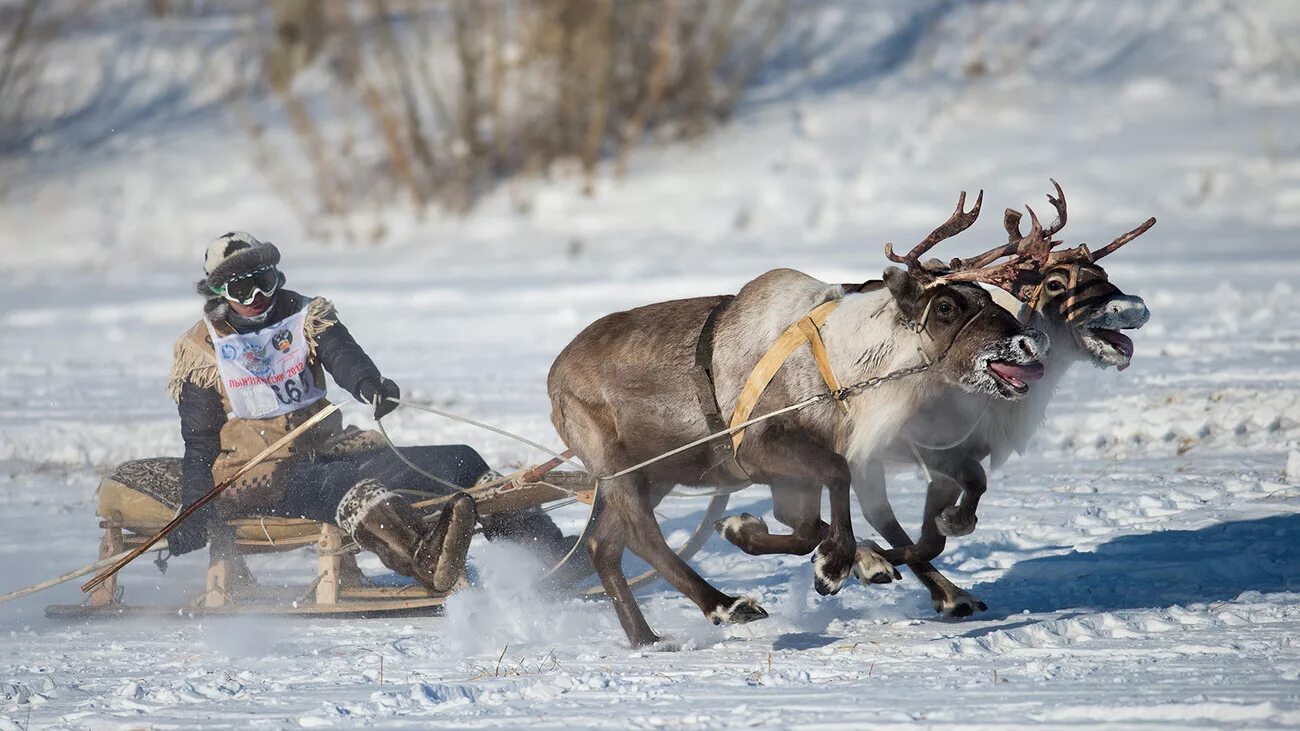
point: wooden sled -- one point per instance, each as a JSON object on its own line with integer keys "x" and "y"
{"x": 141, "y": 496}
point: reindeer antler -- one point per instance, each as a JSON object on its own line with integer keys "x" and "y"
{"x": 1112, "y": 246}
{"x": 1027, "y": 255}
{"x": 1058, "y": 202}
{"x": 1081, "y": 254}
{"x": 1018, "y": 243}
{"x": 959, "y": 221}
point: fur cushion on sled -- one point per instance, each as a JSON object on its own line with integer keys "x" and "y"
{"x": 144, "y": 494}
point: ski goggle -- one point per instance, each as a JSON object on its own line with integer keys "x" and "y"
{"x": 245, "y": 287}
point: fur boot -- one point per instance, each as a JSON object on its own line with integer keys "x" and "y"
{"x": 381, "y": 522}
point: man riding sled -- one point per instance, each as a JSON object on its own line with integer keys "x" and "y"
{"x": 253, "y": 368}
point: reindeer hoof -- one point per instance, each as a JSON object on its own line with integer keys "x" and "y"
{"x": 733, "y": 527}
{"x": 742, "y": 611}
{"x": 960, "y": 604}
{"x": 668, "y": 644}
{"x": 832, "y": 566}
{"x": 951, "y": 524}
{"x": 872, "y": 568}
{"x": 648, "y": 639}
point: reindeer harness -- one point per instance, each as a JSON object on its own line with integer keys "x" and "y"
{"x": 806, "y": 329}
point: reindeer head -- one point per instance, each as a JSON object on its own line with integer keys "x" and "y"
{"x": 1075, "y": 294}
{"x": 977, "y": 345}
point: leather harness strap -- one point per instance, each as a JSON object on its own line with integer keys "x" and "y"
{"x": 776, "y": 356}
{"x": 814, "y": 335}
{"x": 723, "y": 455}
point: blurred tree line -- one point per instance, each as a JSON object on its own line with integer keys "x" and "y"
{"x": 433, "y": 102}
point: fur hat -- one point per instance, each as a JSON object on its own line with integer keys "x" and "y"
{"x": 231, "y": 255}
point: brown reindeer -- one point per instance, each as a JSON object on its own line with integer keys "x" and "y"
{"x": 1083, "y": 313}
{"x": 624, "y": 391}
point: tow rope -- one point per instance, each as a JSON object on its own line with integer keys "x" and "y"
{"x": 840, "y": 394}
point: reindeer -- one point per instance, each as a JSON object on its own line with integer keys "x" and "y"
{"x": 625, "y": 390}
{"x": 1073, "y": 301}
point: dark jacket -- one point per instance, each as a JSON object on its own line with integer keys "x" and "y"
{"x": 202, "y": 408}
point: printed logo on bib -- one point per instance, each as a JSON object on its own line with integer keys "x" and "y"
{"x": 255, "y": 359}
{"x": 265, "y": 373}
{"x": 282, "y": 341}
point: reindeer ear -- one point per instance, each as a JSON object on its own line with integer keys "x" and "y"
{"x": 907, "y": 292}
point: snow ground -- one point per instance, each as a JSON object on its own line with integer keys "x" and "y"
{"x": 1141, "y": 565}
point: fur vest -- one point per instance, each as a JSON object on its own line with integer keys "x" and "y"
{"x": 194, "y": 361}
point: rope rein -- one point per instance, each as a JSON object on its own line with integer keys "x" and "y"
{"x": 406, "y": 461}
{"x": 496, "y": 430}
{"x": 841, "y": 395}
{"x": 961, "y": 440}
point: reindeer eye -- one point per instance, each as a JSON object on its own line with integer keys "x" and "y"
{"x": 944, "y": 307}
{"x": 1055, "y": 287}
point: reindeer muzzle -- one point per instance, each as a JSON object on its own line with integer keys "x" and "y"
{"x": 1122, "y": 312}
{"x": 1126, "y": 312}
{"x": 1017, "y": 375}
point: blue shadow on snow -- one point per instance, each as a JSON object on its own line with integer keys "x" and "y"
{"x": 1210, "y": 564}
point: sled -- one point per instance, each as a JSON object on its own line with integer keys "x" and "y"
{"x": 139, "y": 497}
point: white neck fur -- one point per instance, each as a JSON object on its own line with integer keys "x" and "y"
{"x": 1008, "y": 426}
{"x": 864, "y": 338}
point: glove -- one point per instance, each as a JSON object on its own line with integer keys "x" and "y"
{"x": 190, "y": 535}
{"x": 378, "y": 394}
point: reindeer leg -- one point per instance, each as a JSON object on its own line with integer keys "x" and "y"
{"x": 792, "y": 461}
{"x": 833, "y": 560}
{"x": 938, "y": 497}
{"x": 800, "y": 510}
{"x": 952, "y": 475}
{"x": 946, "y": 597}
{"x": 959, "y": 520}
{"x": 606, "y": 545}
{"x": 631, "y": 494}
{"x": 793, "y": 506}
{"x": 588, "y": 429}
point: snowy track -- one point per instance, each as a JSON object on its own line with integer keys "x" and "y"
{"x": 1107, "y": 605}
{"x": 1141, "y": 564}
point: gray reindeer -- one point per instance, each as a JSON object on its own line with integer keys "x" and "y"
{"x": 1083, "y": 313}
{"x": 627, "y": 389}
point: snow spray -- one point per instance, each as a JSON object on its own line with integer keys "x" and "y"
{"x": 506, "y": 606}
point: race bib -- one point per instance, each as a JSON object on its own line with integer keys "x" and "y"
{"x": 265, "y": 373}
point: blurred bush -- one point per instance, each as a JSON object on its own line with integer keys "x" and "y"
{"x": 433, "y": 103}
{"x": 24, "y": 49}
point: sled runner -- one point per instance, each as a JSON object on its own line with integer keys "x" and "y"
{"x": 139, "y": 497}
